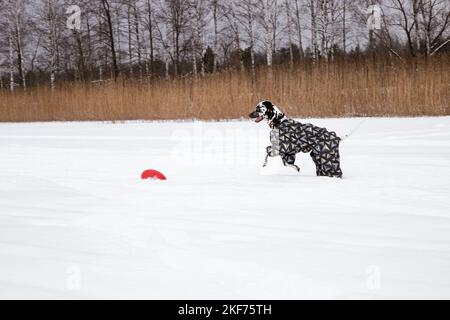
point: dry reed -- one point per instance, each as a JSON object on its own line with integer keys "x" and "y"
{"x": 342, "y": 88}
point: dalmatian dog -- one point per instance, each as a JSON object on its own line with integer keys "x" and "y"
{"x": 289, "y": 137}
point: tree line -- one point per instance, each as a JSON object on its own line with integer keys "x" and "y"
{"x": 46, "y": 42}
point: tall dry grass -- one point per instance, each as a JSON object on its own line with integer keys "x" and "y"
{"x": 342, "y": 88}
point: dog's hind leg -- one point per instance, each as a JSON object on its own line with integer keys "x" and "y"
{"x": 293, "y": 166}
{"x": 289, "y": 161}
{"x": 327, "y": 159}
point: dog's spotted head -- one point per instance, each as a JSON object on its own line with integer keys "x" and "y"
{"x": 267, "y": 110}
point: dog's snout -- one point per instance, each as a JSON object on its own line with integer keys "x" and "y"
{"x": 254, "y": 115}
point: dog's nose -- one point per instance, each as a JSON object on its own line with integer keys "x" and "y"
{"x": 254, "y": 115}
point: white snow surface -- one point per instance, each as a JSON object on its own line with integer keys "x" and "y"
{"x": 76, "y": 220}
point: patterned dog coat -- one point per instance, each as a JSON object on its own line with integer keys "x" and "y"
{"x": 290, "y": 137}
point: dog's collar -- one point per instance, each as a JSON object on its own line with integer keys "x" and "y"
{"x": 275, "y": 122}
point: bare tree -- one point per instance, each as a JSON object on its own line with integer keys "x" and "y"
{"x": 344, "y": 26}
{"x": 137, "y": 29}
{"x": 175, "y": 14}
{"x": 416, "y": 13}
{"x": 268, "y": 21}
{"x": 11, "y": 62}
{"x": 7, "y": 42}
{"x": 130, "y": 38}
{"x": 328, "y": 13}
{"x": 15, "y": 10}
{"x": 51, "y": 19}
{"x": 198, "y": 22}
{"x": 107, "y": 16}
{"x": 163, "y": 27}
{"x": 435, "y": 24}
{"x": 404, "y": 20}
{"x": 289, "y": 25}
{"x": 312, "y": 6}
{"x": 299, "y": 27}
{"x": 216, "y": 9}
{"x": 231, "y": 16}
{"x": 179, "y": 37}
{"x": 150, "y": 27}
{"x": 246, "y": 9}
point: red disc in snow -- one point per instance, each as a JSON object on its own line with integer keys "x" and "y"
{"x": 153, "y": 174}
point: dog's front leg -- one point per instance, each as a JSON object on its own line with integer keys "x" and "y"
{"x": 270, "y": 153}
{"x": 266, "y": 161}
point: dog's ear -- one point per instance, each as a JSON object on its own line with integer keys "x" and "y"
{"x": 267, "y": 104}
{"x": 270, "y": 110}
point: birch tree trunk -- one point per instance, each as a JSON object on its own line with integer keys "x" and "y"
{"x": 19, "y": 48}
{"x": 100, "y": 72}
{"x": 168, "y": 53}
{"x": 289, "y": 21}
{"x": 416, "y": 24}
{"x": 194, "y": 58}
{"x": 323, "y": 13}
{"x": 194, "y": 33}
{"x": 51, "y": 40}
{"x": 118, "y": 35}
{"x": 11, "y": 62}
{"x": 197, "y": 21}
{"x": 216, "y": 34}
{"x": 107, "y": 12}
{"x": 199, "y": 26}
{"x": 150, "y": 32}
{"x": 427, "y": 27}
{"x": 250, "y": 23}
{"x": 299, "y": 28}
{"x": 130, "y": 40}
{"x": 331, "y": 43}
{"x": 344, "y": 31}
{"x": 313, "y": 29}
{"x": 81, "y": 55}
{"x": 275, "y": 26}
{"x": 89, "y": 41}
{"x": 268, "y": 22}
{"x": 138, "y": 39}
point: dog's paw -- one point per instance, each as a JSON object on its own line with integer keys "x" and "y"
{"x": 293, "y": 166}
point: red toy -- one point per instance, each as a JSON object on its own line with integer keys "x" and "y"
{"x": 153, "y": 175}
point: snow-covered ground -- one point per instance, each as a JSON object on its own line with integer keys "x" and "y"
{"x": 76, "y": 221}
